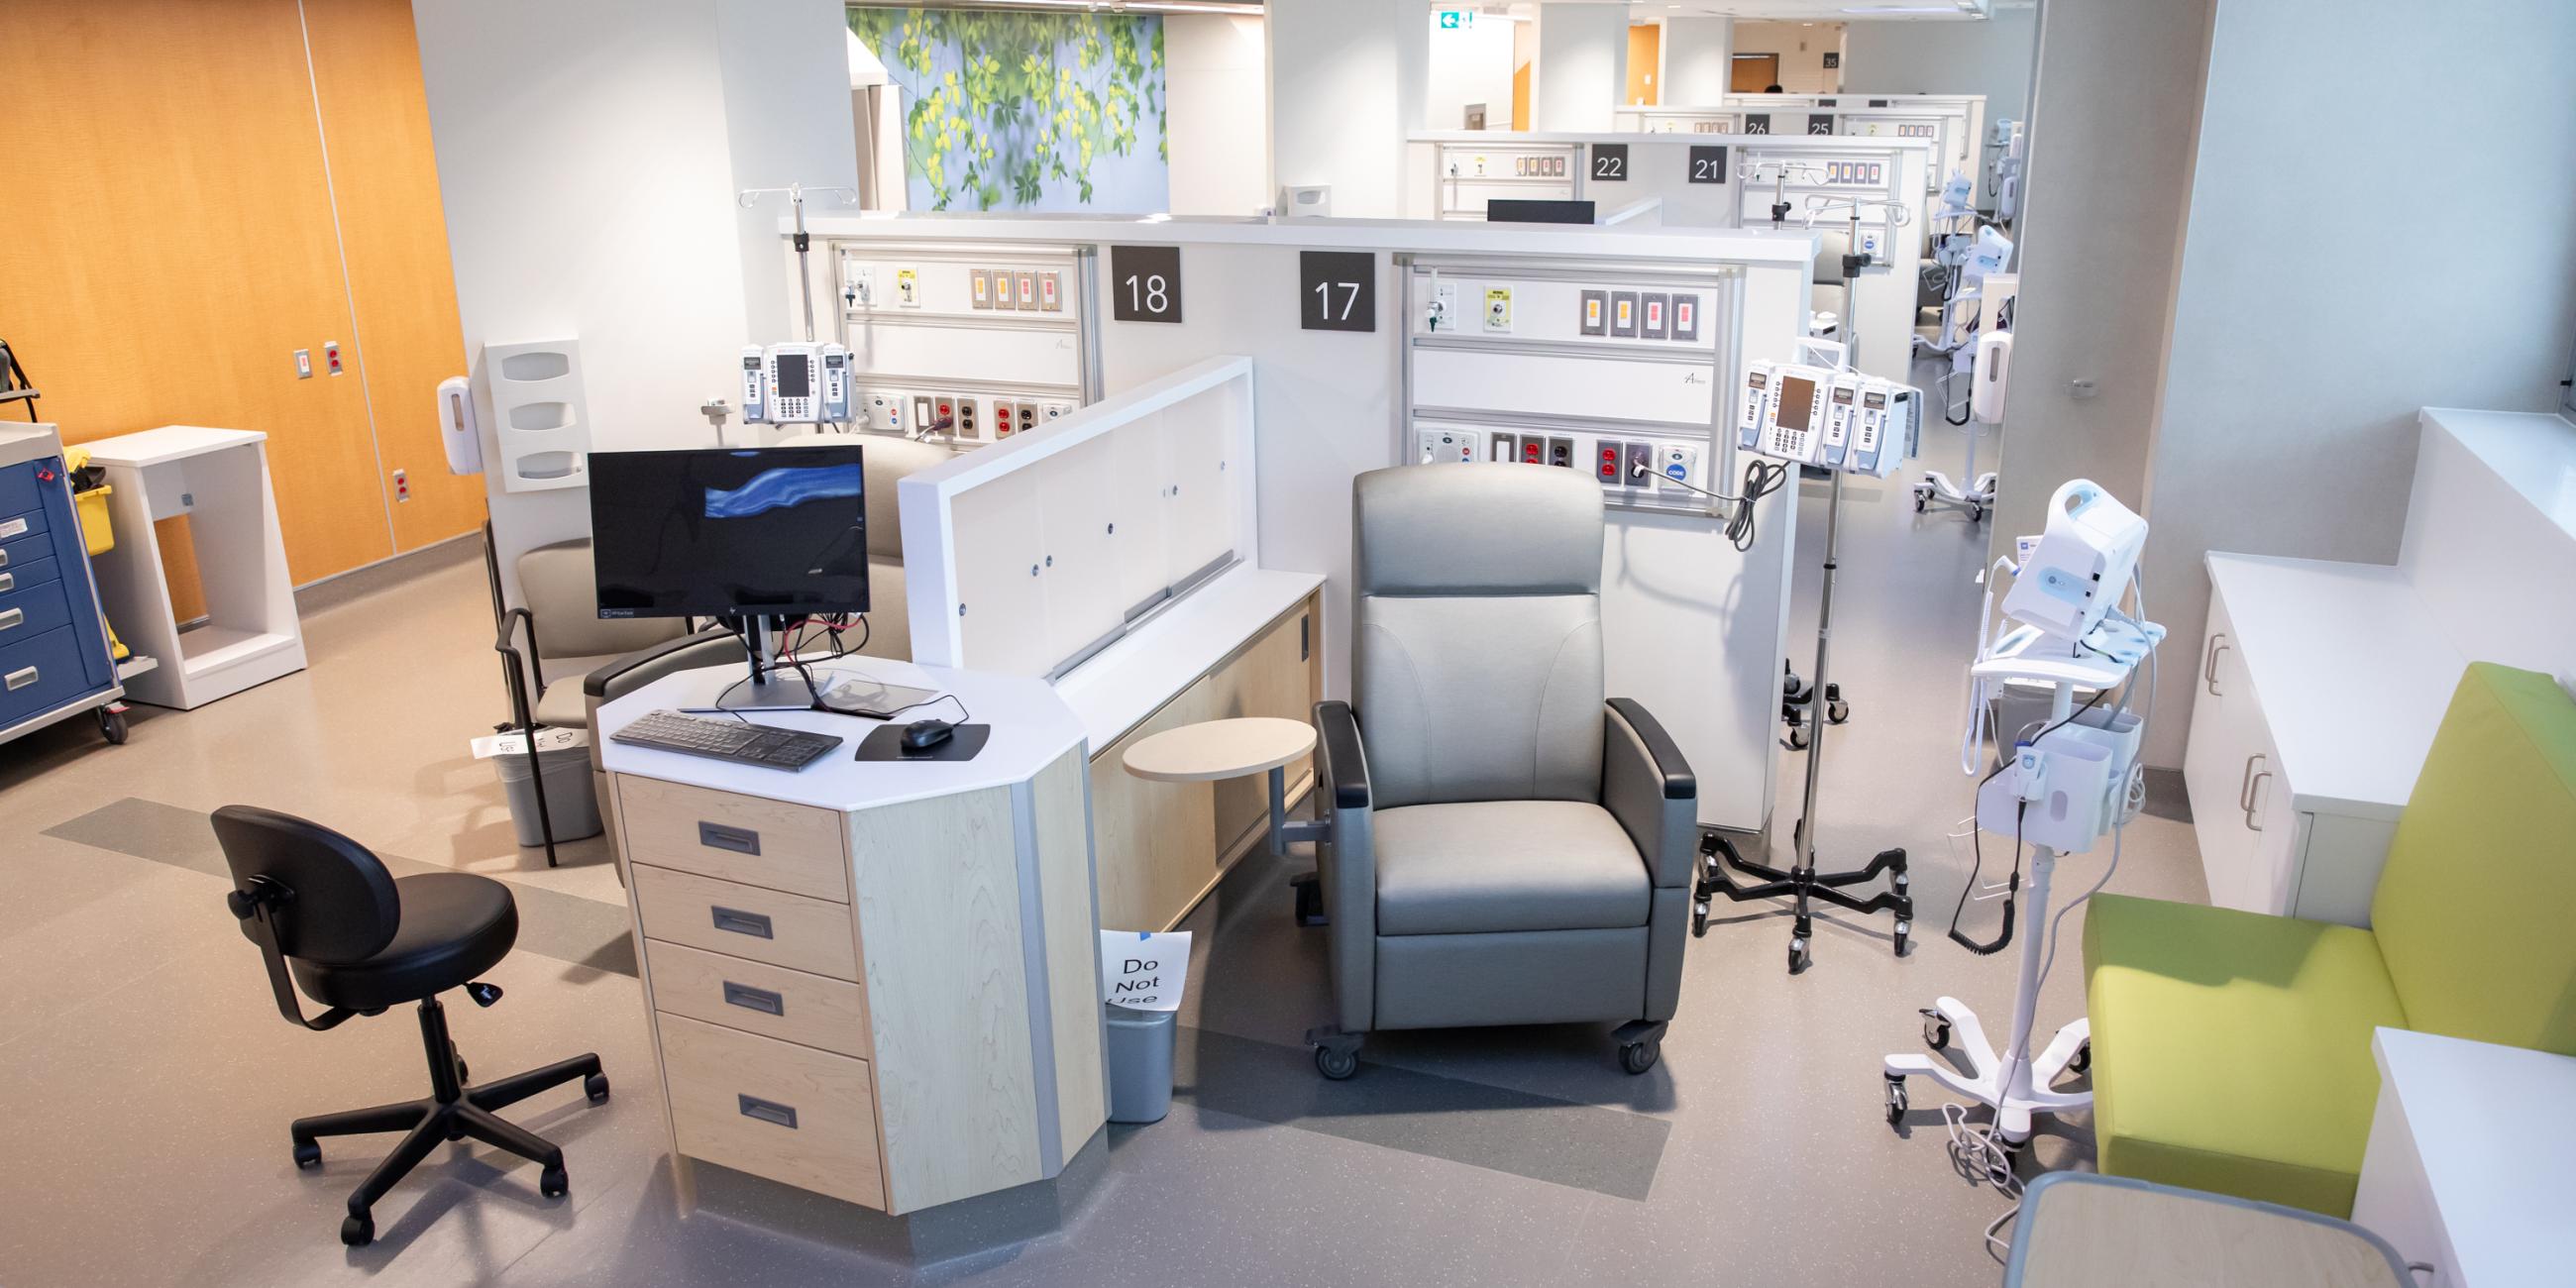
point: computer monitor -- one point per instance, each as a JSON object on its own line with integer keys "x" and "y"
{"x": 757, "y": 535}
{"x": 725, "y": 532}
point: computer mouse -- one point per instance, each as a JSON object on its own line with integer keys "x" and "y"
{"x": 922, "y": 735}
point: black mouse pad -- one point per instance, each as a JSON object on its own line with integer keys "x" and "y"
{"x": 886, "y": 743}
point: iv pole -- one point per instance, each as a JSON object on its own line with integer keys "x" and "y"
{"x": 1801, "y": 881}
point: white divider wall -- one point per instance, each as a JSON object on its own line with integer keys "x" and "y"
{"x": 1956, "y": 121}
{"x": 1666, "y": 170}
{"x": 1025, "y": 556}
{"x": 1326, "y": 405}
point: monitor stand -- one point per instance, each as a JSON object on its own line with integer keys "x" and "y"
{"x": 775, "y": 689}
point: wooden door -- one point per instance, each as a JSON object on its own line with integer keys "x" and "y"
{"x": 1752, "y": 73}
{"x": 1645, "y": 59}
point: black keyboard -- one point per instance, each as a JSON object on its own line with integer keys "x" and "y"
{"x": 727, "y": 739}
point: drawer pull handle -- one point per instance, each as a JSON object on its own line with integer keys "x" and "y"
{"x": 8, "y": 582}
{"x": 754, "y": 999}
{"x": 740, "y": 840}
{"x": 768, "y": 1111}
{"x": 739, "y": 922}
{"x": 13, "y": 528}
{"x": 13, "y": 617}
{"x": 2253, "y": 798}
{"x": 22, "y": 677}
{"x": 2209, "y": 669}
{"x": 4, "y": 558}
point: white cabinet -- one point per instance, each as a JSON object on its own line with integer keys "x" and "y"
{"x": 2320, "y": 685}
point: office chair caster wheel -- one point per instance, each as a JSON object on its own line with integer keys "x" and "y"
{"x": 112, "y": 726}
{"x": 2083, "y": 1061}
{"x": 1798, "y": 960}
{"x": 357, "y": 1231}
{"x": 553, "y": 1183}
{"x": 308, "y": 1153}
{"x": 1336, "y": 1065}
{"x": 1637, "y": 1057}
{"x": 596, "y": 1087}
{"x": 1936, "y": 1030}
{"x": 1895, "y": 1099}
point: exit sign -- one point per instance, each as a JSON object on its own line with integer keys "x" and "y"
{"x": 1456, "y": 19}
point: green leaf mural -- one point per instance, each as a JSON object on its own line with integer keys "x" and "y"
{"x": 1021, "y": 111}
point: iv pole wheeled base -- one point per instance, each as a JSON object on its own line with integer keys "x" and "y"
{"x": 2014, "y": 1097}
{"x": 1803, "y": 883}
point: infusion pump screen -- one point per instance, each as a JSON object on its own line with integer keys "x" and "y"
{"x": 1797, "y": 400}
{"x": 794, "y": 380}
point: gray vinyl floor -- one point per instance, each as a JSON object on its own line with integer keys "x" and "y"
{"x": 148, "y": 1080}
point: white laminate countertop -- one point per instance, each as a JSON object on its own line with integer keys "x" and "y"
{"x": 2533, "y": 451}
{"x": 2352, "y": 672}
{"x": 1114, "y": 690}
{"x": 2499, "y": 1150}
{"x": 1031, "y": 727}
{"x": 168, "y": 443}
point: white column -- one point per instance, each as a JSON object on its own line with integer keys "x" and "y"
{"x": 1698, "y": 53}
{"x": 1582, "y": 67}
{"x": 1346, "y": 86}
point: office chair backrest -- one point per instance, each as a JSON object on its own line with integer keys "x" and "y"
{"x": 1476, "y": 661}
{"x": 343, "y": 909}
{"x": 2472, "y": 907}
{"x": 560, "y": 586}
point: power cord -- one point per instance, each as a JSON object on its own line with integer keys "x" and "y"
{"x": 1761, "y": 479}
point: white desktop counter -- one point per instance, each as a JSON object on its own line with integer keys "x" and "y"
{"x": 874, "y": 980}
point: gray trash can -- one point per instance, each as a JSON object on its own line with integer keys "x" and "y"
{"x": 1140, "y": 1063}
{"x": 571, "y": 801}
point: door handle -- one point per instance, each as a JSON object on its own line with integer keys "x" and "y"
{"x": 2245, "y": 783}
{"x": 2252, "y": 822}
{"x": 2209, "y": 668}
{"x": 754, "y": 999}
{"x": 740, "y": 840}
{"x": 739, "y": 922}
{"x": 768, "y": 1111}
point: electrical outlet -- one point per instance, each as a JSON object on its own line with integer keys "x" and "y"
{"x": 1028, "y": 414}
{"x": 1639, "y": 469}
{"x": 966, "y": 421}
{"x": 304, "y": 364}
{"x": 331, "y": 356}
{"x": 1609, "y": 456}
{"x": 1560, "y": 451}
{"x": 402, "y": 485}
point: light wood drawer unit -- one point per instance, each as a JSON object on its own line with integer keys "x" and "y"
{"x": 756, "y": 997}
{"x": 790, "y": 1113}
{"x": 811, "y": 935}
{"x": 795, "y": 848}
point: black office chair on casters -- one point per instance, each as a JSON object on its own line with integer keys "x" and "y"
{"x": 329, "y": 919}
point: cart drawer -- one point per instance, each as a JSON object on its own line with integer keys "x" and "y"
{"x": 756, "y": 997}
{"x": 811, "y": 935}
{"x": 40, "y": 673}
{"x": 795, "y": 848}
{"x": 796, "y": 1115}
{"x": 26, "y": 547}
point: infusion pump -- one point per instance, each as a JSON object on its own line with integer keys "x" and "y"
{"x": 795, "y": 384}
{"x": 1820, "y": 416}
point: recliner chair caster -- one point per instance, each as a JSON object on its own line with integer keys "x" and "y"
{"x": 1337, "y": 1054}
{"x": 1310, "y": 899}
{"x": 1637, "y": 1057}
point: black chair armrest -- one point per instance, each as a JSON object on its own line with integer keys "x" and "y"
{"x": 1679, "y": 783}
{"x": 643, "y": 666}
{"x": 517, "y": 668}
{"x": 1339, "y": 730}
{"x": 1648, "y": 787}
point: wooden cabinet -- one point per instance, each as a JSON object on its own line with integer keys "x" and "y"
{"x": 2304, "y": 740}
{"x": 1162, "y": 846}
{"x": 896, "y": 1004}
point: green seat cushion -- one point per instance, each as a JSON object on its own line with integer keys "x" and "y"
{"x": 2475, "y": 908}
{"x": 2231, "y": 1050}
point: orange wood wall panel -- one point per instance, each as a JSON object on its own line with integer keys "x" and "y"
{"x": 1645, "y": 56}
{"x": 384, "y": 177}
{"x": 169, "y": 241}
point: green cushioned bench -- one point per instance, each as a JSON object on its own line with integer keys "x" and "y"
{"x": 2231, "y": 1050}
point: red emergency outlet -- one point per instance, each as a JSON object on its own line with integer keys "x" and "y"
{"x": 1534, "y": 453}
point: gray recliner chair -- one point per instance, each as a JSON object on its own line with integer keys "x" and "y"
{"x": 1505, "y": 847}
